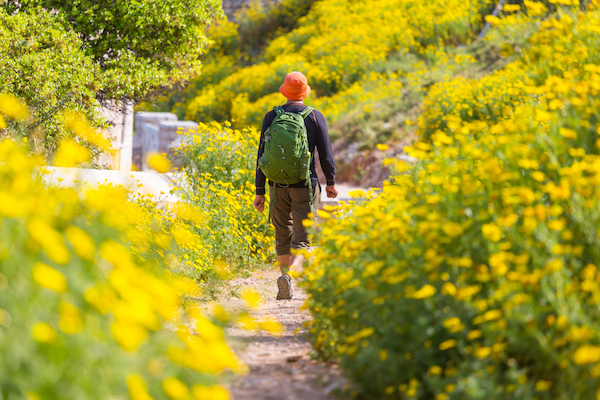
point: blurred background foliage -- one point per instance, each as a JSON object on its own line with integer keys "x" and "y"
{"x": 368, "y": 63}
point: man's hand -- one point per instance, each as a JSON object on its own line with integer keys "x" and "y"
{"x": 331, "y": 192}
{"x": 259, "y": 202}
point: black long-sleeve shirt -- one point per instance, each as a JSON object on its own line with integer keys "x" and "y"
{"x": 318, "y": 136}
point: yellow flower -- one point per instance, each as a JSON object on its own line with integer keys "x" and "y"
{"x": 271, "y": 325}
{"x": 511, "y": 7}
{"x": 49, "y": 278}
{"x": 388, "y": 161}
{"x": 13, "y": 108}
{"x": 554, "y": 265}
{"x": 323, "y": 214}
{"x": 383, "y": 147}
{"x": 474, "y": 334}
{"x": 568, "y": 133}
{"x": 448, "y": 344}
{"x": 492, "y": 315}
{"x": 452, "y": 229}
{"x": 44, "y": 333}
{"x": 448, "y": 288}
{"x": 483, "y": 352}
{"x": 82, "y": 128}
{"x": 50, "y": 239}
{"x": 137, "y": 388}
{"x": 128, "y": 335}
{"x": 70, "y": 318}
{"x": 82, "y": 242}
{"x": 210, "y": 393}
{"x": 586, "y": 354}
{"x": 434, "y": 370}
{"x": 542, "y": 385}
{"x": 70, "y": 154}
{"x": 424, "y": 292}
{"x": 451, "y": 322}
{"x": 492, "y": 20}
{"x": 383, "y": 354}
{"x": 492, "y": 232}
{"x": 175, "y": 389}
{"x": 356, "y": 193}
{"x": 363, "y": 333}
{"x": 159, "y": 163}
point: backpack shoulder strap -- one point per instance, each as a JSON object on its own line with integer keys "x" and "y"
{"x": 304, "y": 113}
{"x": 279, "y": 110}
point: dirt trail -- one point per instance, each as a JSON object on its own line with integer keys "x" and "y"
{"x": 280, "y": 366}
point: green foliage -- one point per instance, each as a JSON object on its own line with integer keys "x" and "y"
{"x": 139, "y": 46}
{"x": 36, "y": 54}
{"x": 263, "y": 21}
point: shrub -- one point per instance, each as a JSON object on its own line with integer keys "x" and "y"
{"x": 475, "y": 274}
{"x": 219, "y": 164}
{"x": 90, "y": 301}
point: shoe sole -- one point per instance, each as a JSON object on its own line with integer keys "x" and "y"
{"x": 284, "y": 289}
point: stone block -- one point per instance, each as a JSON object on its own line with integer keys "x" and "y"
{"x": 141, "y": 119}
{"x": 169, "y": 133}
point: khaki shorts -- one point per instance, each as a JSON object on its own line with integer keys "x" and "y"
{"x": 289, "y": 207}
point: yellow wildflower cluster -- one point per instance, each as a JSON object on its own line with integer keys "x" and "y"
{"x": 337, "y": 45}
{"x": 476, "y": 272}
{"x": 220, "y": 164}
{"x": 90, "y": 306}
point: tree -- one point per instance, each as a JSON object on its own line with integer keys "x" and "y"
{"x": 63, "y": 54}
{"x": 140, "y": 46}
{"x": 36, "y": 55}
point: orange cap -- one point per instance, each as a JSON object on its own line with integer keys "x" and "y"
{"x": 295, "y": 86}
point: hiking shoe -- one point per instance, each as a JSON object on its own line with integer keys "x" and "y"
{"x": 284, "y": 284}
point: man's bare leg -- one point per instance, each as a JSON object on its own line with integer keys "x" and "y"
{"x": 284, "y": 263}
{"x": 290, "y": 262}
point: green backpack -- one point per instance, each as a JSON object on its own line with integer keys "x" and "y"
{"x": 286, "y": 158}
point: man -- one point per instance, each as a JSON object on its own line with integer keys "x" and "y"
{"x": 290, "y": 204}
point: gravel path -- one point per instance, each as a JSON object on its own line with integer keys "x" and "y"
{"x": 280, "y": 366}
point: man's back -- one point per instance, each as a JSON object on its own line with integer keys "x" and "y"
{"x": 318, "y": 137}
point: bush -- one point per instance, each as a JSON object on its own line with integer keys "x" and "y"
{"x": 475, "y": 274}
{"x": 90, "y": 299}
{"x": 219, "y": 164}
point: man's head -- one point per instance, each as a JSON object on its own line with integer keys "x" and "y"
{"x": 295, "y": 86}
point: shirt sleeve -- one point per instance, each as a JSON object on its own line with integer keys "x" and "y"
{"x": 324, "y": 149}
{"x": 260, "y": 178}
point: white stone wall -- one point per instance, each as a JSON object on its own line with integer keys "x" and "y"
{"x": 121, "y": 133}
